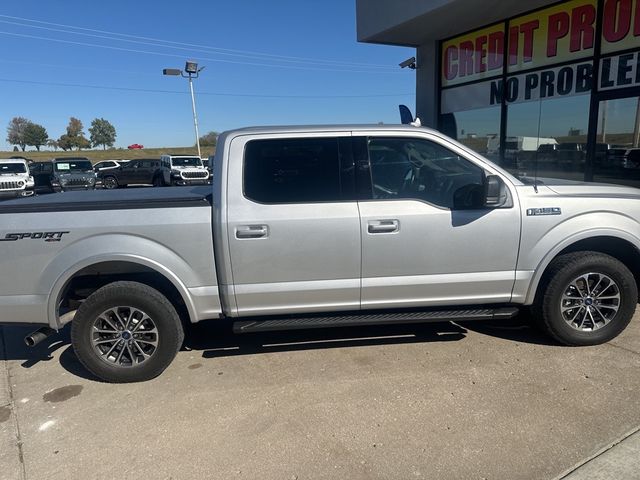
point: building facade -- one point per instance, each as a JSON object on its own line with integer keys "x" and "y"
{"x": 539, "y": 87}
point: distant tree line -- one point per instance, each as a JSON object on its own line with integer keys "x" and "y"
{"x": 24, "y": 133}
{"x": 209, "y": 140}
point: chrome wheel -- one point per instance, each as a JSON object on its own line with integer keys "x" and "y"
{"x": 590, "y": 302}
{"x": 124, "y": 336}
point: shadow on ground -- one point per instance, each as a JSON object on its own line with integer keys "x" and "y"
{"x": 215, "y": 339}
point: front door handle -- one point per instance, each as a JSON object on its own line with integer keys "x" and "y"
{"x": 383, "y": 226}
{"x": 252, "y": 231}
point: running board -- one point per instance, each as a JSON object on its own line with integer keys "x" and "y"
{"x": 359, "y": 319}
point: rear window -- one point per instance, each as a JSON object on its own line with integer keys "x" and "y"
{"x": 302, "y": 170}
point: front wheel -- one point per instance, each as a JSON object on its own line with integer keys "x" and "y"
{"x": 126, "y": 332}
{"x": 586, "y": 298}
{"x": 110, "y": 183}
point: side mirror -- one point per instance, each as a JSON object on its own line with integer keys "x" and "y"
{"x": 495, "y": 191}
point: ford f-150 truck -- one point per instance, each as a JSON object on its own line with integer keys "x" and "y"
{"x": 308, "y": 227}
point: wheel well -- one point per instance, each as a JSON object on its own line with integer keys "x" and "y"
{"x": 615, "y": 247}
{"x": 89, "y": 279}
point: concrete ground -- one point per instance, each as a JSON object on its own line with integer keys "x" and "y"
{"x": 476, "y": 401}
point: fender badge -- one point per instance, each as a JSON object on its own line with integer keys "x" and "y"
{"x": 533, "y": 212}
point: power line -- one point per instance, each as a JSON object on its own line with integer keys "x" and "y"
{"x": 216, "y": 94}
{"x": 148, "y": 52}
{"x": 191, "y": 49}
{"x": 209, "y": 49}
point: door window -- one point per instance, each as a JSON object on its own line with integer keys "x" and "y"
{"x": 302, "y": 170}
{"x": 408, "y": 168}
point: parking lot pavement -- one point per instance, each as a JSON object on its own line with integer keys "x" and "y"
{"x": 432, "y": 401}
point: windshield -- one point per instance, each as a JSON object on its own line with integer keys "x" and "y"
{"x": 186, "y": 162}
{"x": 74, "y": 166}
{"x": 11, "y": 168}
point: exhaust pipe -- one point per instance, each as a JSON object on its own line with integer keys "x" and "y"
{"x": 39, "y": 335}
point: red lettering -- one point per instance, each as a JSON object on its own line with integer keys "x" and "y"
{"x": 558, "y": 28}
{"x": 466, "y": 58}
{"x": 496, "y": 50}
{"x": 617, "y": 20}
{"x": 527, "y": 29}
{"x": 481, "y": 54}
{"x": 582, "y": 20}
{"x": 514, "y": 33}
{"x": 450, "y": 68}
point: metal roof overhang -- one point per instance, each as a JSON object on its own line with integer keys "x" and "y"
{"x": 412, "y": 23}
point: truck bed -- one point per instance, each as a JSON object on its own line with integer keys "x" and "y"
{"x": 129, "y": 198}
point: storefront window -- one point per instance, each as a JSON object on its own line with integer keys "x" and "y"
{"x": 539, "y": 68}
{"x": 479, "y": 129}
{"x": 548, "y": 138}
{"x": 617, "y": 158}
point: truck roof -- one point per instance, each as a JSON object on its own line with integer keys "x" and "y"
{"x": 327, "y": 128}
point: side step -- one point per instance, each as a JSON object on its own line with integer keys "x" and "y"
{"x": 380, "y": 318}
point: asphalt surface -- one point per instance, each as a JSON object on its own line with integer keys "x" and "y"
{"x": 476, "y": 401}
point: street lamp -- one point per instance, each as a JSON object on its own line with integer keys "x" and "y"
{"x": 192, "y": 71}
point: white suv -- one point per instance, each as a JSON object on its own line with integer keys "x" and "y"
{"x": 15, "y": 179}
{"x": 183, "y": 170}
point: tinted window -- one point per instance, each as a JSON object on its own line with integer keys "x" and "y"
{"x": 186, "y": 162}
{"x": 7, "y": 168}
{"x": 74, "y": 166}
{"x": 407, "y": 168}
{"x": 292, "y": 170}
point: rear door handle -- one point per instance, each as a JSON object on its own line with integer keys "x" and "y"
{"x": 252, "y": 231}
{"x": 383, "y": 226}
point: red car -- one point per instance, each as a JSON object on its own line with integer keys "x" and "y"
{"x": 135, "y": 146}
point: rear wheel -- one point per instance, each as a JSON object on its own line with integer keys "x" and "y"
{"x": 126, "y": 332}
{"x": 586, "y": 298}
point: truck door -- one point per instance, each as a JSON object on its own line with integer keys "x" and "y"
{"x": 293, "y": 224}
{"x": 426, "y": 239}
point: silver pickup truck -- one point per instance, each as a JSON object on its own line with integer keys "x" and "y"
{"x": 308, "y": 227}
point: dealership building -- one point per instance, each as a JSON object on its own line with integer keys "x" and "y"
{"x": 551, "y": 88}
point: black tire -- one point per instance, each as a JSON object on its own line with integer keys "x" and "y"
{"x": 158, "y": 181}
{"x": 110, "y": 182}
{"x": 557, "y": 280}
{"x": 170, "y": 333}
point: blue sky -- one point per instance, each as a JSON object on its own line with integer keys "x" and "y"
{"x": 354, "y": 83}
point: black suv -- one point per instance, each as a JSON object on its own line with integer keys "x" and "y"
{"x": 72, "y": 173}
{"x": 145, "y": 171}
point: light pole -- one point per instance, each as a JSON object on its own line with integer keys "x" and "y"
{"x": 192, "y": 71}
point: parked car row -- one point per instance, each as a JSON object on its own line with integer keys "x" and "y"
{"x": 20, "y": 177}
{"x": 169, "y": 170}
{"x": 572, "y": 155}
